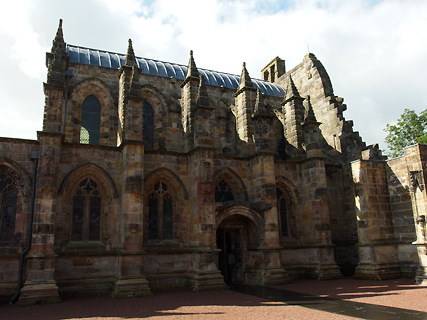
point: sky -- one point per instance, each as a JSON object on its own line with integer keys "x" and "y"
{"x": 373, "y": 50}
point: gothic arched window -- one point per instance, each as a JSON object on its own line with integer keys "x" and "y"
{"x": 223, "y": 192}
{"x": 148, "y": 125}
{"x": 8, "y": 203}
{"x": 282, "y": 209}
{"x": 91, "y": 120}
{"x": 86, "y": 217}
{"x": 160, "y": 218}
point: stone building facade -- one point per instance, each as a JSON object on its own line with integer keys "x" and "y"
{"x": 152, "y": 176}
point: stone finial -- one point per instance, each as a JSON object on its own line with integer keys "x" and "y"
{"x": 58, "y": 44}
{"x": 245, "y": 79}
{"x": 202, "y": 94}
{"x": 192, "y": 69}
{"x": 130, "y": 59}
{"x": 291, "y": 91}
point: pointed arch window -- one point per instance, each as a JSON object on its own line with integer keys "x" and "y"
{"x": 223, "y": 193}
{"x": 160, "y": 217}
{"x": 8, "y": 204}
{"x": 86, "y": 217}
{"x": 282, "y": 209}
{"x": 91, "y": 120}
{"x": 148, "y": 125}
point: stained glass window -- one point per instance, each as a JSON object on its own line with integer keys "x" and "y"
{"x": 8, "y": 213}
{"x": 91, "y": 120}
{"x": 148, "y": 125}
{"x": 283, "y": 213}
{"x": 160, "y": 208}
{"x": 8, "y": 204}
{"x": 86, "y": 217}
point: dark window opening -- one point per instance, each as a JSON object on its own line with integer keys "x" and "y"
{"x": 8, "y": 200}
{"x": 86, "y": 217}
{"x": 283, "y": 213}
{"x": 148, "y": 125}
{"x": 8, "y": 206}
{"x": 91, "y": 120}
{"x": 160, "y": 213}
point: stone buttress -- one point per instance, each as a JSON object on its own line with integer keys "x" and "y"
{"x": 130, "y": 280}
{"x": 197, "y": 111}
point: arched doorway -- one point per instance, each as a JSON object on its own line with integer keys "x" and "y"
{"x": 236, "y": 235}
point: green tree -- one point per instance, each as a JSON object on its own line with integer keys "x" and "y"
{"x": 410, "y": 129}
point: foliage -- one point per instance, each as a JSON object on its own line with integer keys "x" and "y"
{"x": 410, "y": 129}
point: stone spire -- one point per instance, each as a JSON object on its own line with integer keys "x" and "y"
{"x": 57, "y": 62}
{"x": 312, "y": 133}
{"x": 192, "y": 69}
{"x": 309, "y": 115}
{"x": 261, "y": 108}
{"x": 202, "y": 94}
{"x": 58, "y": 44}
{"x": 291, "y": 92}
{"x": 130, "y": 60}
{"x": 245, "y": 79}
{"x": 57, "y": 59}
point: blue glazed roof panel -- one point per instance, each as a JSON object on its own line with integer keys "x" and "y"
{"x": 165, "y": 69}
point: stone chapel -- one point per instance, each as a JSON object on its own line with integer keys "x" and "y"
{"x": 151, "y": 175}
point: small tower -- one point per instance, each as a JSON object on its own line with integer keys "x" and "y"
{"x": 54, "y": 88}
{"x": 130, "y": 102}
{"x": 245, "y": 101}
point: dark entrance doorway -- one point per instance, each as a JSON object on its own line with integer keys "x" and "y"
{"x": 230, "y": 259}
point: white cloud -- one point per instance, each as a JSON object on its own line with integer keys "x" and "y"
{"x": 373, "y": 50}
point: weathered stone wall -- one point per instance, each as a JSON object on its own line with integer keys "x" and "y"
{"x": 408, "y": 202}
{"x": 15, "y": 163}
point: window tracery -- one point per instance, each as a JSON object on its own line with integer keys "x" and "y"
{"x": 86, "y": 216}
{"x": 223, "y": 192}
{"x": 8, "y": 201}
{"x": 160, "y": 209}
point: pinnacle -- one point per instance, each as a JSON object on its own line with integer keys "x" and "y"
{"x": 309, "y": 116}
{"x": 58, "y": 43}
{"x": 261, "y": 108}
{"x": 130, "y": 60}
{"x": 202, "y": 94}
{"x": 245, "y": 79}
{"x": 192, "y": 69}
{"x": 291, "y": 91}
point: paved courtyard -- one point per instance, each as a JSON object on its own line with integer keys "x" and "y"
{"x": 302, "y": 299}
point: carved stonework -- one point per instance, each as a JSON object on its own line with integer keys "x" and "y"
{"x": 416, "y": 180}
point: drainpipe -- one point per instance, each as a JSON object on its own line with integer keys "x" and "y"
{"x": 68, "y": 75}
{"x": 34, "y": 156}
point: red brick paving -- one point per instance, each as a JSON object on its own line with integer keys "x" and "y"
{"x": 226, "y": 304}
